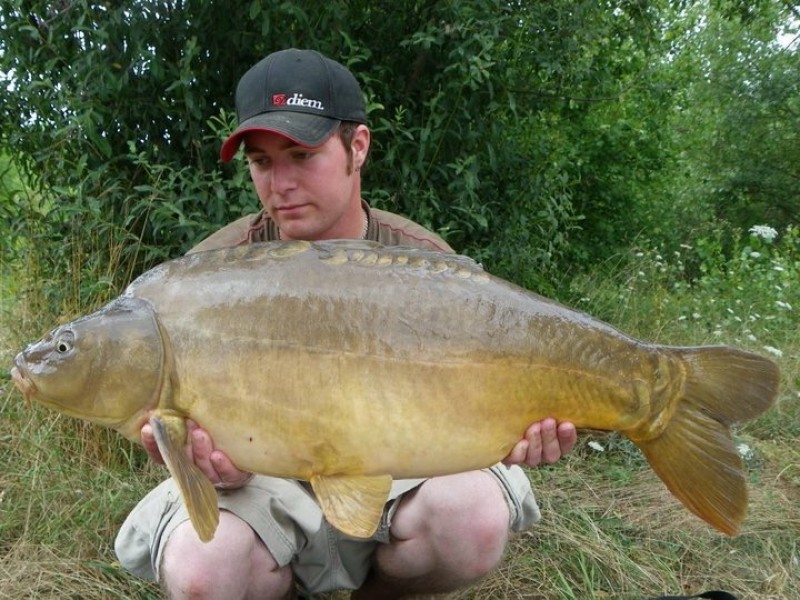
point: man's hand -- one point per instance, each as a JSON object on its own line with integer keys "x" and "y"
{"x": 215, "y": 464}
{"x": 544, "y": 442}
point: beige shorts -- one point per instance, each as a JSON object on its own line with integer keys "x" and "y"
{"x": 284, "y": 514}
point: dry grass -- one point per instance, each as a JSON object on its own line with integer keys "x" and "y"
{"x": 42, "y": 571}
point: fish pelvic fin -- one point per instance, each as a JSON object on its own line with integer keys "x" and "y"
{"x": 695, "y": 454}
{"x": 353, "y": 503}
{"x": 197, "y": 491}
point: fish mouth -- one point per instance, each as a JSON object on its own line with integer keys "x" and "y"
{"x": 23, "y": 383}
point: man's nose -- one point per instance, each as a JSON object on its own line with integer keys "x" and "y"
{"x": 281, "y": 177}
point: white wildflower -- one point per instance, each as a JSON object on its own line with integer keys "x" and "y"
{"x": 697, "y": 316}
{"x": 755, "y": 255}
{"x": 596, "y": 446}
{"x": 778, "y": 268}
{"x": 784, "y": 305}
{"x": 774, "y": 351}
{"x": 765, "y": 232}
{"x": 682, "y": 318}
{"x": 745, "y": 451}
{"x": 752, "y": 338}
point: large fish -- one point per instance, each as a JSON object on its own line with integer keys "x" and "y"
{"x": 348, "y": 364}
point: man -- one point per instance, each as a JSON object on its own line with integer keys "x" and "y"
{"x": 302, "y": 120}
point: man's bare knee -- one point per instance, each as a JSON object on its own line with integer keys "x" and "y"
{"x": 451, "y": 532}
{"x": 234, "y": 564}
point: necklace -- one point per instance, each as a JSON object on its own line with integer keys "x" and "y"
{"x": 366, "y": 225}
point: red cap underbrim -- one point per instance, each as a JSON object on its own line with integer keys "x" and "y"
{"x": 304, "y": 129}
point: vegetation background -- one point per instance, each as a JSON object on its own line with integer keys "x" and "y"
{"x": 614, "y": 154}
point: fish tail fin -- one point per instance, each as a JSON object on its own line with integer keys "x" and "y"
{"x": 695, "y": 454}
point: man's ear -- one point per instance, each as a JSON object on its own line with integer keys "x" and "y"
{"x": 360, "y": 145}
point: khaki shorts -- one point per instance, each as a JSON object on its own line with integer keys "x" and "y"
{"x": 284, "y": 514}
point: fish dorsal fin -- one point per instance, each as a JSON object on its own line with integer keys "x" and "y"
{"x": 353, "y": 503}
{"x": 197, "y": 491}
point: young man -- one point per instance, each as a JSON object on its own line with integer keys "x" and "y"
{"x": 302, "y": 121}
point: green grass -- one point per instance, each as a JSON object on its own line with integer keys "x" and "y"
{"x": 610, "y": 527}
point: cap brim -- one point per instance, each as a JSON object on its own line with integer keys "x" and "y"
{"x": 303, "y": 129}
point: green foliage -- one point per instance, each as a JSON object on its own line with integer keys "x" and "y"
{"x": 737, "y": 115}
{"x": 540, "y": 137}
{"x": 506, "y": 126}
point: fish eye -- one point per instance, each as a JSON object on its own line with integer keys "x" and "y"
{"x": 65, "y": 342}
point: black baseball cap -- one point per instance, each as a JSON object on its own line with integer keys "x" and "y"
{"x": 299, "y": 94}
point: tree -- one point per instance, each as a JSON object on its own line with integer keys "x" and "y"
{"x": 737, "y": 120}
{"x": 111, "y": 104}
{"x": 532, "y": 134}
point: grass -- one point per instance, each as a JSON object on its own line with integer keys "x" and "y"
{"x": 66, "y": 488}
{"x": 610, "y": 527}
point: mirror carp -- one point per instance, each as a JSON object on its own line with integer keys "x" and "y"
{"x": 349, "y": 364}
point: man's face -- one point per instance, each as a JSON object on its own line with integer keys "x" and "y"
{"x": 309, "y": 192}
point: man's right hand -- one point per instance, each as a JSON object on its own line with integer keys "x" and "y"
{"x": 215, "y": 464}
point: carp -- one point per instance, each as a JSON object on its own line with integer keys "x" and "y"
{"x": 349, "y": 364}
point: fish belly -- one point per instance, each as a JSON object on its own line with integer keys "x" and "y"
{"x": 310, "y": 414}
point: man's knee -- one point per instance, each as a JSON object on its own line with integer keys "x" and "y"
{"x": 473, "y": 500}
{"x": 468, "y": 512}
{"x": 234, "y": 564}
{"x": 485, "y": 530}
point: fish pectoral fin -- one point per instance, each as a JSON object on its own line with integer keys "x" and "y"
{"x": 197, "y": 491}
{"x": 353, "y": 503}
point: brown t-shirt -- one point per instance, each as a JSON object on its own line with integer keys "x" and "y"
{"x": 384, "y": 227}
